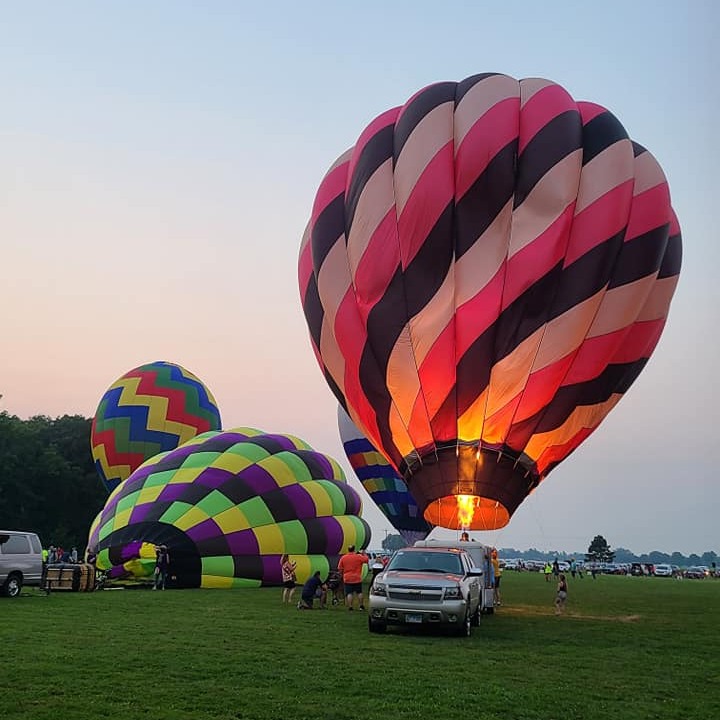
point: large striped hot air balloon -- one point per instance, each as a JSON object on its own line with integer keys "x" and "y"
{"x": 484, "y": 275}
{"x": 150, "y": 409}
{"x": 382, "y": 483}
{"x": 228, "y": 505}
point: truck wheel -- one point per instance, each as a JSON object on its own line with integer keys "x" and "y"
{"x": 13, "y": 586}
{"x": 376, "y": 626}
{"x": 465, "y": 630}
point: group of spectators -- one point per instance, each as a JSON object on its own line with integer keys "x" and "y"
{"x": 53, "y": 555}
{"x": 346, "y": 580}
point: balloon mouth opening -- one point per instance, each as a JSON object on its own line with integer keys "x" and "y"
{"x": 467, "y": 512}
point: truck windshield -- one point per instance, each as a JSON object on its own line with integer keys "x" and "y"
{"x": 427, "y": 562}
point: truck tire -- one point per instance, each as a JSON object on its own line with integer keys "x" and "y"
{"x": 13, "y": 585}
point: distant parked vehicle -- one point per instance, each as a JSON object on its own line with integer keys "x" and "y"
{"x": 695, "y": 573}
{"x": 663, "y": 570}
{"x": 20, "y": 561}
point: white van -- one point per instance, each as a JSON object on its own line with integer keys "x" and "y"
{"x": 20, "y": 561}
{"x": 480, "y": 555}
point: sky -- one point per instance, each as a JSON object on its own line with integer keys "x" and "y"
{"x": 158, "y": 164}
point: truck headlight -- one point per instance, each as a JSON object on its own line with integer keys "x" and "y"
{"x": 453, "y": 593}
{"x": 378, "y": 589}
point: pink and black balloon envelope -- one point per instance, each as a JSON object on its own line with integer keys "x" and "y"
{"x": 484, "y": 275}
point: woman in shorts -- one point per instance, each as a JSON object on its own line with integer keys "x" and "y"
{"x": 288, "y": 577}
{"x": 561, "y": 597}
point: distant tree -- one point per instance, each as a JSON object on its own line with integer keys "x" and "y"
{"x": 599, "y": 551}
{"x": 623, "y": 555}
{"x": 677, "y": 559}
{"x": 393, "y": 542}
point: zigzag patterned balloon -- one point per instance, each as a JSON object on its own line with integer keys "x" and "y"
{"x": 228, "y": 505}
{"x": 151, "y": 409}
{"x": 382, "y": 483}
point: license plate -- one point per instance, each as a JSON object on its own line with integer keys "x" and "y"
{"x": 413, "y": 618}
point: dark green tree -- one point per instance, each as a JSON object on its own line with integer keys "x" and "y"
{"x": 599, "y": 551}
{"x": 393, "y": 542}
{"x": 48, "y": 482}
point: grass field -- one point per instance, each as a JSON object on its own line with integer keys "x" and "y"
{"x": 626, "y": 648}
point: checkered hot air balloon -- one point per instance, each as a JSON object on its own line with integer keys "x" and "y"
{"x": 382, "y": 483}
{"x": 484, "y": 274}
{"x": 228, "y": 505}
{"x": 151, "y": 409}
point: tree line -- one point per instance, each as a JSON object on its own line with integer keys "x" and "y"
{"x": 598, "y": 550}
{"x": 48, "y": 482}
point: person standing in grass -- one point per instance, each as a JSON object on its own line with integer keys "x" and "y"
{"x": 561, "y": 597}
{"x": 288, "y": 577}
{"x": 497, "y": 573}
{"x": 350, "y": 566}
{"x": 162, "y": 565}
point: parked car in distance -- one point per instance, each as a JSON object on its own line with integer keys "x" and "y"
{"x": 663, "y": 570}
{"x": 695, "y": 573}
{"x": 427, "y": 586}
{"x": 20, "y": 561}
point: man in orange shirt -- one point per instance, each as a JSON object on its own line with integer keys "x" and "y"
{"x": 350, "y": 566}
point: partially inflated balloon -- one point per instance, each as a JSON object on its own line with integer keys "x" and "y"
{"x": 484, "y": 274}
{"x": 382, "y": 483}
{"x": 228, "y": 505}
{"x": 151, "y": 409}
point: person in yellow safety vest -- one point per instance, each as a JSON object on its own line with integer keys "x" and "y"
{"x": 45, "y": 555}
{"x": 548, "y": 571}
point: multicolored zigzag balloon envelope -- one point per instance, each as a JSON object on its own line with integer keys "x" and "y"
{"x": 228, "y": 505}
{"x": 484, "y": 274}
{"x": 151, "y": 409}
{"x": 382, "y": 482}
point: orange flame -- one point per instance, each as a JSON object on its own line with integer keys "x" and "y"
{"x": 465, "y": 510}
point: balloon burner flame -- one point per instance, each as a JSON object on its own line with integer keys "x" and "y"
{"x": 465, "y": 510}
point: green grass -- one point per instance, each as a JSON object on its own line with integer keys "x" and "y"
{"x": 626, "y": 648}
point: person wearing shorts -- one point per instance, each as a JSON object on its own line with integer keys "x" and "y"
{"x": 350, "y": 566}
{"x": 288, "y": 577}
{"x": 313, "y": 588}
{"x": 561, "y": 597}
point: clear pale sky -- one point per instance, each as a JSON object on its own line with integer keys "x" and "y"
{"x": 158, "y": 163}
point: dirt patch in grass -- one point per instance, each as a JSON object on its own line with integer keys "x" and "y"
{"x": 535, "y": 611}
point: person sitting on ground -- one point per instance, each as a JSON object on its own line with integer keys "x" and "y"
{"x": 313, "y": 588}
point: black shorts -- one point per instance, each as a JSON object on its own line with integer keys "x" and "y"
{"x": 498, "y": 578}
{"x": 289, "y": 584}
{"x": 353, "y": 588}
